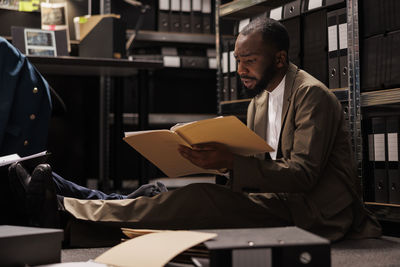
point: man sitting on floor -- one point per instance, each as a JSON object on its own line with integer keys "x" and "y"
{"x": 309, "y": 180}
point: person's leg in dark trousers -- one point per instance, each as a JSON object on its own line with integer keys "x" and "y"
{"x": 67, "y": 188}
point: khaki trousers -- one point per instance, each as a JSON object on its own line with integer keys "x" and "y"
{"x": 196, "y": 206}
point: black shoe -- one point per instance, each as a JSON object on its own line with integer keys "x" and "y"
{"x": 42, "y": 199}
{"x": 38, "y": 199}
{"x": 19, "y": 180}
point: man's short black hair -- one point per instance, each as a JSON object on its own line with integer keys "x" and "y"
{"x": 273, "y": 32}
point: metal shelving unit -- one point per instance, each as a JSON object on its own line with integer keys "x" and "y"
{"x": 353, "y": 52}
{"x": 174, "y": 37}
{"x": 240, "y": 9}
{"x": 381, "y": 97}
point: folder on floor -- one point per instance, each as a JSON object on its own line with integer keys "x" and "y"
{"x": 163, "y": 16}
{"x": 333, "y": 50}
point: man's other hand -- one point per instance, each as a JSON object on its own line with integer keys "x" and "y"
{"x": 208, "y": 155}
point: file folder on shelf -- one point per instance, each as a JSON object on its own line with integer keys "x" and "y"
{"x": 163, "y": 16}
{"x": 333, "y": 50}
{"x": 292, "y": 9}
{"x": 196, "y": 21}
{"x": 392, "y": 132}
{"x": 394, "y": 186}
{"x": 276, "y": 13}
{"x": 333, "y": 2}
{"x": 392, "y": 78}
{"x": 315, "y": 45}
{"x": 186, "y": 8}
{"x": 381, "y": 186}
{"x": 371, "y": 63}
{"x": 175, "y": 15}
{"x": 309, "y": 5}
{"x": 380, "y": 61}
{"x": 379, "y": 17}
{"x": 377, "y": 158}
{"x": 206, "y": 16}
{"x": 293, "y": 26}
{"x": 225, "y": 70}
{"x": 232, "y": 71}
{"x": 342, "y": 34}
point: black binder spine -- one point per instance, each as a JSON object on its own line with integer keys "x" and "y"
{"x": 392, "y": 75}
{"x": 232, "y": 71}
{"x": 163, "y": 15}
{"x": 175, "y": 15}
{"x": 342, "y": 34}
{"x": 196, "y": 21}
{"x": 377, "y": 155}
{"x": 333, "y": 49}
{"x": 186, "y": 8}
{"x": 225, "y": 71}
{"x": 292, "y": 9}
{"x": 315, "y": 60}
{"x": 206, "y": 16}
{"x": 392, "y": 136}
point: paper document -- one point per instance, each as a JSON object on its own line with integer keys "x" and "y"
{"x": 161, "y": 146}
{"x": 152, "y": 250}
{"x": 9, "y": 159}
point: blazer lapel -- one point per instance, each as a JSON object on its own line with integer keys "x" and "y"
{"x": 261, "y": 115}
{"x": 289, "y": 81}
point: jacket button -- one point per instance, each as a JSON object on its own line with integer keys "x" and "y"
{"x": 26, "y": 143}
{"x": 35, "y": 90}
{"x": 32, "y": 117}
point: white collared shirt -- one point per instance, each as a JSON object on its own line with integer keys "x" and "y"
{"x": 275, "y": 105}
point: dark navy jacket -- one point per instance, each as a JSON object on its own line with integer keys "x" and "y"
{"x": 25, "y": 104}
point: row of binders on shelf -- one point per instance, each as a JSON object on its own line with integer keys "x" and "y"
{"x": 380, "y": 56}
{"x": 178, "y": 57}
{"x": 383, "y": 158}
{"x": 189, "y": 16}
{"x": 318, "y": 43}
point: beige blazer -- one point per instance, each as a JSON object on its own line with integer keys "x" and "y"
{"x": 315, "y": 173}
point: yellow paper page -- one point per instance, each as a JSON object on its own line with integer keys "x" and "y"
{"x": 161, "y": 148}
{"x": 152, "y": 250}
{"x": 226, "y": 130}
